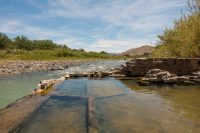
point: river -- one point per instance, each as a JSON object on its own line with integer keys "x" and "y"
{"x": 121, "y": 106}
{"x": 15, "y": 87}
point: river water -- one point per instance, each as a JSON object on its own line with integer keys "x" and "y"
{"x": 121, "y": 106}
{"x": 15, "y": 87}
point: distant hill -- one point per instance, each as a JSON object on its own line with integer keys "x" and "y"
{"x": 146, "y": 49}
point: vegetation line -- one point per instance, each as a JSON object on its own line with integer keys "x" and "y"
{"x": 21, "y": 48}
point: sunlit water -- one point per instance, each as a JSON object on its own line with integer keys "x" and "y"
{"x": 15, "y": 87}
{"x": 121, "y": 107}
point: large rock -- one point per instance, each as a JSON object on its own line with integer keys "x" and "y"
{"x": 66, "y": 76}
{"x": 158, "y": 76}
{"x": 181, "y": 79}
{"x": 161, "y": 76}
{"x": 196, "y": 73}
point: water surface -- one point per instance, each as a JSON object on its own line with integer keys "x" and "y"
{"x": 15, "y": 87}
{"x": 121, "y": 107}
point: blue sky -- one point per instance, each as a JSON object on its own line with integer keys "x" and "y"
{"x": 95, "y": 25}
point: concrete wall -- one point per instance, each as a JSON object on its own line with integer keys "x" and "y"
{"x": 180, "y": 66}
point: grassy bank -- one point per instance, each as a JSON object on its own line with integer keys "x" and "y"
{"x": 56, "y": 54}
{"x": 21, "y": 48}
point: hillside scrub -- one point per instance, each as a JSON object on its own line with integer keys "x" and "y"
{"x": 183, "y": 40}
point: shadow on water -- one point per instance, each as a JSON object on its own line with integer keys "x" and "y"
{"x": 59, "y": 114}
{"x": 121, "y": 107}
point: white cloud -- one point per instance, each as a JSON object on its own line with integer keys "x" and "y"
{"x": 19, "y": 27}
{"x": 119, "y": 12}
{"x": 124, "y": 23}
{"x": 116, "y": 46}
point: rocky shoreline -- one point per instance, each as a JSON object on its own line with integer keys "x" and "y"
{"x": 181, "y": 71}
{"x": 165, "y": 77}
{"x": 21, "y": 67}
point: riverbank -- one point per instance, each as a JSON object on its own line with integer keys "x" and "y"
{"x": 21, "y": 67}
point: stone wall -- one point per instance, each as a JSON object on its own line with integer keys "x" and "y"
{"x": 179, "y": 66}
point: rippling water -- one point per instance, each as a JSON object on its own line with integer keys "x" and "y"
{"x": 15, "y": 87}
{"x": 121, "y": 107}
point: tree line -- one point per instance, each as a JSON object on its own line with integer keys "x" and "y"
{"x": 22, "y": 48}
{"x": 22, "y": 42}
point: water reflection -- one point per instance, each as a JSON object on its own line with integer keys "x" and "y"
{"x": 182, "y": 100}
{"x": 121, "y": 107}
{"x": 59, "y": 114}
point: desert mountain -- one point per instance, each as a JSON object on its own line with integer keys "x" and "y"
{"x": 146, "y": 49}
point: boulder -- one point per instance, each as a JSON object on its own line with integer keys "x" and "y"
{"x": 116, "y": 71}
{"x": 196, "y": 73}
{"x": 161, "y": 76}
{"x": 154, "y": 71}
{"x": 157, "y": 75}
{"x": 181, "y": 79}
{"x": 170, "y": 80}
{"x": 66, "y": 76}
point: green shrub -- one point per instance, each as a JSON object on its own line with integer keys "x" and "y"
{"x": 183, "y": 40}
{"x": 21, "y": 48}
{"x": 3, "y": 54}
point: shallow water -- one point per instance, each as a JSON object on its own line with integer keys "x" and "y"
{"x": 121, "y": 107}
{"x": 15, "y": 87}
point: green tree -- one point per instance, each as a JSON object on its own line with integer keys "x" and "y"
{"x": 22, "y": 42}
{"x": 103, "y": 52}
{"x": 4, "y": 41}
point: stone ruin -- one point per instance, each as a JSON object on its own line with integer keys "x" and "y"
{"x": 179, "y": 66}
